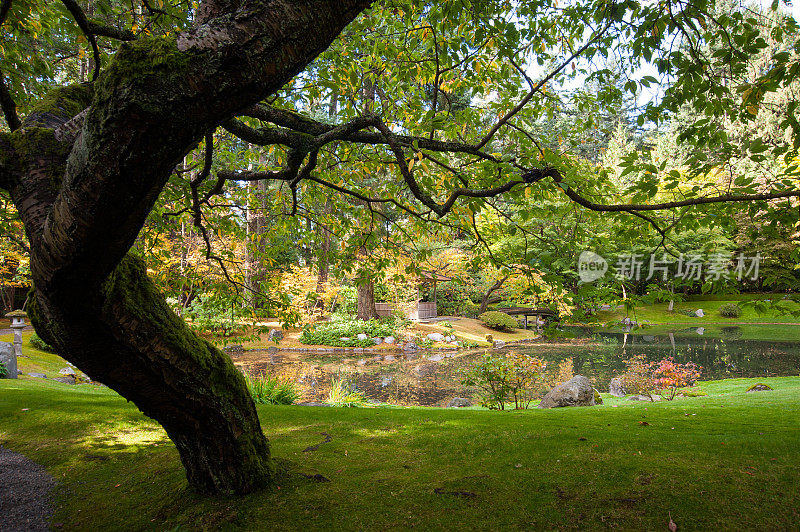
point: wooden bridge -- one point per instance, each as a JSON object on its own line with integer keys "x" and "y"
{"x": 539, "y": 312}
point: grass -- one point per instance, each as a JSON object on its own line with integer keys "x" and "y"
{"x": 36, "y": 361}
{"x": 658, "y": 314}
{"x": 723, "y": 461}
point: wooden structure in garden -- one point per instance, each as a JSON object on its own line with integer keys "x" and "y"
{"x": 540, "y": 312}
{"x": 423, "y": 310}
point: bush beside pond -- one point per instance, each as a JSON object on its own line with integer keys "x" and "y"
{"x": 730, "y": 310}
{"x": 498, "y": 320}
{"x": 344, "y": 333}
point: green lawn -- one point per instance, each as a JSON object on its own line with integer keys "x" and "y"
{"x": 725, "y": 461}
{"x": 656, "y": 314}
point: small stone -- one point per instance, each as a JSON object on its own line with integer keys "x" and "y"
{"x": 499, "y": 343}
{"x": 67, "y": 372}
{"x": 362, "y": 336}
{"x": 234, "y": 348}
{"x": 410, "y": 346}
{"x": 275, "y": 335}
{"x": 436, "y": 337}
{"x": 699, "y": 313}
{"x": 37, "y": 375}
{"x": 344, "y": 339}
{"x": 389, "y": 340}
{"x": 377, "y": 340}
{"x": 760, "y": 387}
{"x": 700, "y": 330}
{"x": 644, "y": 398}
{"x": 65, "y": 380}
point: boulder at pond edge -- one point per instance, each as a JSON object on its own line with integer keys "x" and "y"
{"x": 577, "y": 391}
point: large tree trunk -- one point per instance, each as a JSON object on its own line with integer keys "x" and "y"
{"x": 366, "y": 301}
{"x": 123, "y": 333}
{"x": 85, "y": 170}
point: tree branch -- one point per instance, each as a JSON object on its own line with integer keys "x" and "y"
{"x": 111, "y": 32}
{"x": 9, "y": 106}
{"x": 631, "y": 207}
{"x": 83, "y": 23}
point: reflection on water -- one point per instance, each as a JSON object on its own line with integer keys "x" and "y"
{"x": 433, "y": 379}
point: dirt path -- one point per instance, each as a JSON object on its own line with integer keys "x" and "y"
{"x": 25, "y": 502}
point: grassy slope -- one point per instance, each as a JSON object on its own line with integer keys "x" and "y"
{"x": 732, "y": 465}
{"x": 657, "y": 313}
{"x": 34, "y": 360}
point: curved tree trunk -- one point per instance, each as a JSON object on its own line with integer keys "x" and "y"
{"x": 85, "y": 170}
{"x": 124, "y": 334}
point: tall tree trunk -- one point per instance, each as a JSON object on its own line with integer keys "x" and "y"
{"x": 325, "y": 239}
{"x": 85, "y": 170}
{"x": 255, "y": 245}
{"x": 366, "y": 301}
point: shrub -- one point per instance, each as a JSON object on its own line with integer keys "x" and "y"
{"x": 40, "y": 344}
{"x": 502, "y": 379}
{"x": 333, "y": 332}
{"x": 215, "y": 315}
{"x": 3, "y": 371}
{"x": 342, "y": 394}
{"x": 638, "y": 378}
{"x": 266, "y": 389}
{"x": 730, "y": 310}
{"x": 669, "y": 376}
{"x": 498, "y": 320}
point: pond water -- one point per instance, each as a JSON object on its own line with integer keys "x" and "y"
{"x": 433, "y": 378}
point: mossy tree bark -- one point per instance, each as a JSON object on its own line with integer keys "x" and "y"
{"x": 84, "y": 171}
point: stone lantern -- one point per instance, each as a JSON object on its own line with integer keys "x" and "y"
{"x": 7, "y": 356}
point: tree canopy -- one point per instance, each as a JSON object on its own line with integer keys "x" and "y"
{"x": 470, "y": 115}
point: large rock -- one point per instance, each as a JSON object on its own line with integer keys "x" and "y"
{"x": 459, "y": 402}
{"x": 9, "y": 359}
{"x": 499, "y": 343}
{"x": 616, "y": 387}
{"x": 275, "y": 335}
{"x": 577, "y": 391}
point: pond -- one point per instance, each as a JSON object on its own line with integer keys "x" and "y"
{"x": 433, "y": 378}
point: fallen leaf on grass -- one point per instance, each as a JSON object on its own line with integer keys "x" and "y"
{"x": 671, "y": 525}
{"x": 643, "y": 423}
